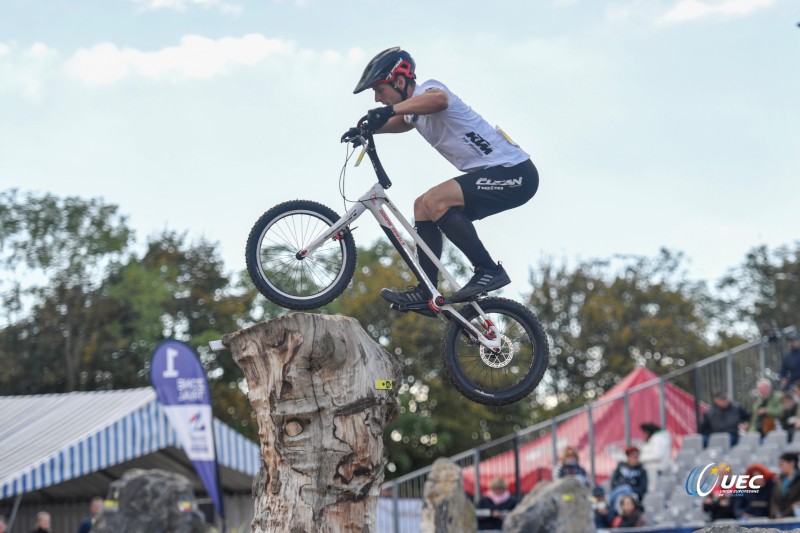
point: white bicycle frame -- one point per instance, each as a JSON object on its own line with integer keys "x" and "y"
{"x": 374, "y": 201}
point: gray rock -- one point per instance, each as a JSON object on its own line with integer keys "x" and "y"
{"x": 150, "y": 501}
{"x": 446, "y": 508}
{"x": 561, "y": 506}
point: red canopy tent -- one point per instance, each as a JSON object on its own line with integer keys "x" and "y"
{"x": 608, "y": 420}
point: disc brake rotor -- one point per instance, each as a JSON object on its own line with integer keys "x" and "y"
{"x": 501, "y": 358}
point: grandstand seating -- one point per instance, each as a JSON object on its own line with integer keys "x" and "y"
{"x": 668, "y": 504}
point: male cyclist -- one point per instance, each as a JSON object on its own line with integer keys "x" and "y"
{"x": 498, "y": 174}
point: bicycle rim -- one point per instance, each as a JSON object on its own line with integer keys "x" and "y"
{"x": 297, "y": 278}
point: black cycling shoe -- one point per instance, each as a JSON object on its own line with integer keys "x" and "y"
{"x": 413, "y": 299}
{"x": 484, "y": 280}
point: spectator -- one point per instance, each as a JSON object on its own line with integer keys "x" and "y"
{"x": 767, "y": 408}
{"x": 790, "y": 419}
{"x": 656, "y": 451}
{"x": 628, "y": 512}
{"x": 42, "y": 522}
{"x": 718, "y": 505}
{"x": 786, "y": 492}
{"x": 790, "y": 366}
{"x": 629, "y": 476}
{"x": 88, "y": 523}
{"x": 569, "y": 465}
{"x": 498, "y": 501}
{"x": 603, "y": 513}
{"x": 755, "y": 505}
{"x": 3, "y": 524}
{"x": 724, "y": 416}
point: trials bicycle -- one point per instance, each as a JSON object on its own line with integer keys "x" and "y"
{"x": 301, "y": 255}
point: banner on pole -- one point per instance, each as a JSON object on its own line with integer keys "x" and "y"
{"x": 182, "y": 389}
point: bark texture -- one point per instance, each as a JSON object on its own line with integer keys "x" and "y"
{"x": 312, "y": 383}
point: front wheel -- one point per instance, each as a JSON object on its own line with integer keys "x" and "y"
{"x": 499, "y": 378}
{"x": 281, "y": 273}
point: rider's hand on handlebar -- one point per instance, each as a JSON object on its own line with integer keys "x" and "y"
{"x": 378, "y": 117}
{"x": 352, "y": 135}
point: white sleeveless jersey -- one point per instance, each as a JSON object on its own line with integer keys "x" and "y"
{"x": 463, "y": 137}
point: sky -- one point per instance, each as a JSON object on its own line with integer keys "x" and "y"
{"x": 653, "y": 123}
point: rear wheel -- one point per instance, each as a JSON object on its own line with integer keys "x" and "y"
{"x": 284, "y": 276}
{"x": 503, "y": 377}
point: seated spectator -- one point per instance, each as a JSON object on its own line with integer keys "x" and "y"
{"x": 724, "y": 416}
{"x": 629, "y": 477}
{"x": 718, "y": 505}
{"x": 755, "y": 505}
{"x": 603, "y": 513}
{"x": 790, "y": 419}
{"x": 790, "y": 366}
{"x": 767, "y": 409}
{"x": 499, "y": 502}
{"x": 569, "y": 466}
{"x": 786, "y": 492}
{"x": 656, "y": 452}
{"x": 628, "y": 512}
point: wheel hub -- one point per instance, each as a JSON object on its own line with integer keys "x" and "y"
{"x": 502, "y": 357}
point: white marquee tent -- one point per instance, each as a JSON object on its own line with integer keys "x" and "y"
{"x": 57, "y": 451}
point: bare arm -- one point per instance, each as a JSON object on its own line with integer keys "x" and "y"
{"x": 427, "y": 103}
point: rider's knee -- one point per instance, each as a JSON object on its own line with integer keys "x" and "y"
{"x": 420, "y": 212}
{"x": 434, "y": 205}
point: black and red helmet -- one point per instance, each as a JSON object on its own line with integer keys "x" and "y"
{"x": 385, "y": 67}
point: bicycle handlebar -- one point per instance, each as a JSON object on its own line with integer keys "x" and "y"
{"x": 365, "y": 137}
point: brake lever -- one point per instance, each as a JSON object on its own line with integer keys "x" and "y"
{"x": 363, "y": 142}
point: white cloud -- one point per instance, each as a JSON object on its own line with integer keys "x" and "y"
{"x": 195, "y": 57}
{"x": 686, "y": 10}
{"x": 635, "y": 10}
{"x": 183, "y": 5}
{"x": 24, "y": 71}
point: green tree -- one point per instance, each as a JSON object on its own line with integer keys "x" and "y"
{"x": 93, "y": 311}
{"x": 605, "y": 318}
{"x": 764, "y": 291}
{"x": 68, "y": 242}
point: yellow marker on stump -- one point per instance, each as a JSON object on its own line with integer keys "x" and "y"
{"x": 384, "y": 384}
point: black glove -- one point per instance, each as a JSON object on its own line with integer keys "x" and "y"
{"x": 378, "y": 117}
{"x": 351, "y": 135}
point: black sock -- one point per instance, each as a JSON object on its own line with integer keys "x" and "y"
{"x": 433, "y": 238}
{"x": 461, "y": 232}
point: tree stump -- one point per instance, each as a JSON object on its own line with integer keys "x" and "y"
{"x": 318, "y": 385}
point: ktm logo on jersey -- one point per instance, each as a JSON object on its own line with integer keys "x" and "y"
{"x": 482, "y": 144}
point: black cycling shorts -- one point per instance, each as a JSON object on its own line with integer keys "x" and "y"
{"x": 496, "y": 189}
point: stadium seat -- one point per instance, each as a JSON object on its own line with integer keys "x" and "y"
{"x": 750, "y": 440}
{"x": 654, "y": 501}
{"x": 692, "y": 442}
{"x": 720, "y": 440}
{"x": 778, "y": 436}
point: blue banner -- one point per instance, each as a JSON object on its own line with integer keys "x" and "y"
{"x": 182, "y": 389}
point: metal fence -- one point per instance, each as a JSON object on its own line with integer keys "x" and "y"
{"x": 683, "y": 396}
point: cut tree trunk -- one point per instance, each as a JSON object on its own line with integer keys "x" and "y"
{"x": 321, "y": 413}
